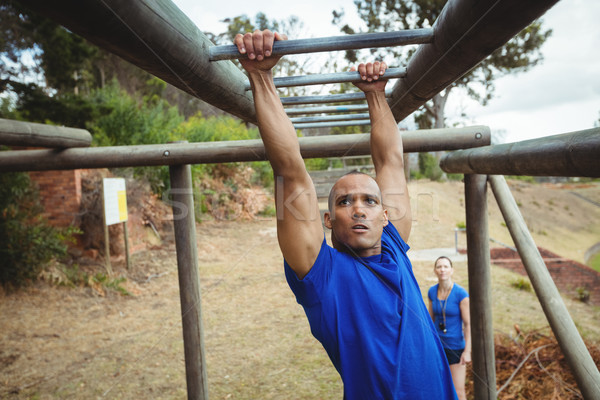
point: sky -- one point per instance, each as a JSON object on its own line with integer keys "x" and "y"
{"x": 558, "y": 96}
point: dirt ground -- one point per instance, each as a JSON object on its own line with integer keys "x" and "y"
{"x": 95, "y": 343}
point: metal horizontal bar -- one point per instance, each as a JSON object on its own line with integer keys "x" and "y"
{"x": 326, "y": 109}
{"x": 30, "y": 134}
{"x": 360, "y": 122}
{"x": 320, "y": 79}
{"x": 331, "y": 98}
{"x": 328, "y": 118}
{"x": 232, "y": 151}
{"x": 332, "y": 43}
{"x": 568, "y": 154}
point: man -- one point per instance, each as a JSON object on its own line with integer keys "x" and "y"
{"x": 361, "y": 298}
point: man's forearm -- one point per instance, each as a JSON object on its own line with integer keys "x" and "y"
{"x": 276, "y": 129}
{"x": 386, "y": 142}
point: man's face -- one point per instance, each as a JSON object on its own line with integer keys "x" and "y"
{"x": 357, "y": 216}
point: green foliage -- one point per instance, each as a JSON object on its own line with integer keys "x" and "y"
{"x": 583, "y": 294}
{"x": 126, "y": 121}
{"x": 429, "y": 167}
{"x": 214, "y": 129}
{"x": 461, "y": 225}
{"x": 27, "y": 241}
{"x": 32, "y": 103}
{"x": 528, "y": 179}
{"x": 316, "y": 164}
{"x": 521, "y": 284}
{"x": 595, "y": 262}
{"x": 111, "y": 283}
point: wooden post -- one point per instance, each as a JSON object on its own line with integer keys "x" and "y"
{"x": 572, "y": 345}
{"x": 189, "y": 281}
{"x": 480, "y": 288}
{"x": 126, "y": 238}
{"x": 106, "y": 236}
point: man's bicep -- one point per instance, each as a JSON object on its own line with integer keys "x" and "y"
{"x": 299, "y": 226}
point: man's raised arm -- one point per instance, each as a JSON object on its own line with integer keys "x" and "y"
{"x": 299, "y": 229}
{"x": 386, "y": 148}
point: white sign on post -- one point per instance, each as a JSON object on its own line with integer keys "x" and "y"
{"x": 115, "y": 200}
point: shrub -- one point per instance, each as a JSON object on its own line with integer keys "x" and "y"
{"x": 521, "y": 284}
{"x": 27, "y": 241}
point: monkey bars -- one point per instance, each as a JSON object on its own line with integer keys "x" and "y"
{"x": 157, "y": 37}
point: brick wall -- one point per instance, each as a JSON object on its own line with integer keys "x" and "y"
{"x": 568, "y": 275}
{"x": 60, "y": 194}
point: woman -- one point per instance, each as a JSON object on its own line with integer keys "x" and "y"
{"x": 449, "y": 309}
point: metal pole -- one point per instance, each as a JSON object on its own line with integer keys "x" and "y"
{"x": 480, "y": 288}
{"x": 326, "y": 109}
{"x": 18, "y": 133}
{"x": 332, "y": 43}
{"x": 189, "y": 281}
{"x": 568, "y": 154}
{"x": 231, "y": 151}
{"x": 360, "y": 122}
{"x": 332, "y": 98}
{"x": 320, "y": 79}
{"x": 572, "y": 345}
{"x": 329, "y": 118}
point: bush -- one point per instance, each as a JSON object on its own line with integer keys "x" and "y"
{"x": 27, "y": 241}
{"x": 429, "y": 168}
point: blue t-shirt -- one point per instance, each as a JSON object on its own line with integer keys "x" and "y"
{"x": 375, "y": 328}
{"x": 454, "y": 338}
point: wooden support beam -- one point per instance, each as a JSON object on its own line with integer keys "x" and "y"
{"x": 158, "y": 37}
{"x": 30, "y": 134}
{"x": 465, "y": 33}
{"x": 232, "y": 151}
{"x": 569, "y": 154}
{"x": 572, "y": 345}
{"x": 184, "y": 224}
{"x": 480, "y": 288}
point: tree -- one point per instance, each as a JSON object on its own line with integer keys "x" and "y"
{"x": 518, "y": 55}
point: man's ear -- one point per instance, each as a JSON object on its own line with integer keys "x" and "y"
{"x": 327, "y": 220}
{"x": 386, "y": 219}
